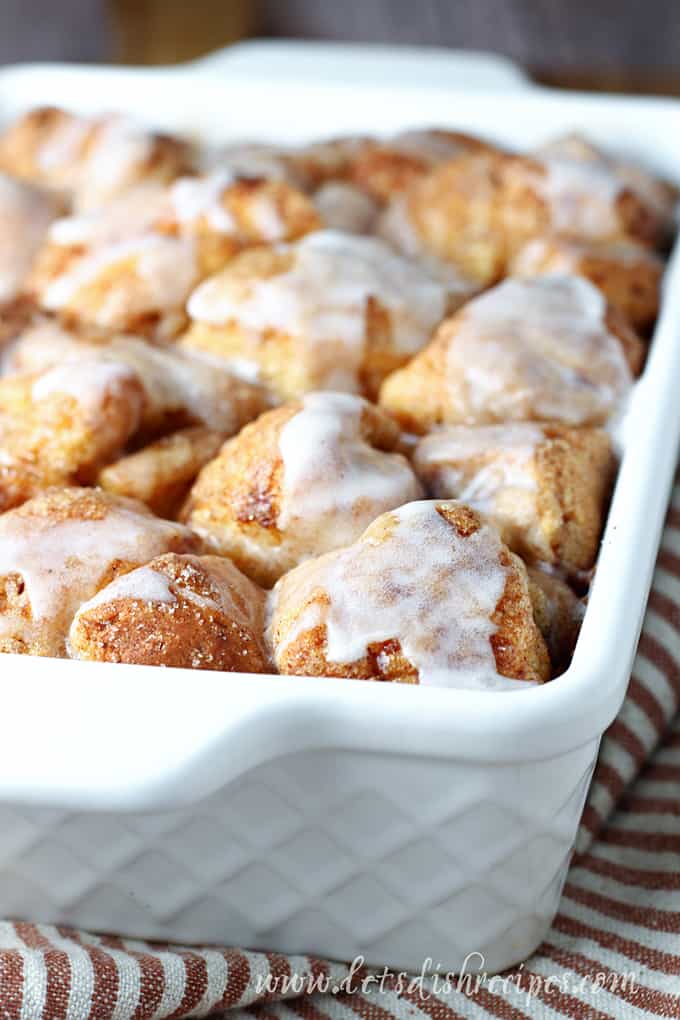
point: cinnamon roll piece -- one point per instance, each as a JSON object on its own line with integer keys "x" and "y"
{"x": 302, "y": 479}
{"x": 479, "y": 209}
{"x": 90, "y": 159}
{"x": 429, "y": 594}
{"x": 60, "y": 425}
{"x": 196, "y": 612}
{"x": 544, "y": 349}
{"x": 180, "y": 388}
{"x": 59, "y": 549}
{"x": 545, "y": 486}
{"x": 161, "y": 473}
{"x": 628, "y": 275}
{"x": 331, "y": 311}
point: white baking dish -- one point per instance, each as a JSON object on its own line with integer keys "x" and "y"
{"x": 333, "y": 817}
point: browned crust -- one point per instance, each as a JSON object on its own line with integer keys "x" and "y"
{"x": 236, "y": 500}
{"x": 417, "y": 395}
{"x": 161, "y": 474}
{"x": 518, "y": 646}
{"x": 575, "y": 468}
{"x": 182, "y": 633}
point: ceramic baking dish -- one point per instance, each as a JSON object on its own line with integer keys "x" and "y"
{"x": 333, "y": 817}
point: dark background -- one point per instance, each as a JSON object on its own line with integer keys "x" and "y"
{"x": 630, "y": 44}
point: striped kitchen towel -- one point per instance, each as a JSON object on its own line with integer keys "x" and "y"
{"x": 613, "y": 950}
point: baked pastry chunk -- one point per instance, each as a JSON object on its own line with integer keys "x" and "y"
{"x": 331, "y": 311}
{"x": 138, "y": 285}
{"x": 301, "y": 480}
{"x": 91, "y": 159}
{"x": 478, "y": 209}
{"x": 180, "y": 388}
{"x": 131, "y": 264}
{"x": 25, "y": 215}
{"x": 558, "y": 614}
{"x": 544, "y": 486}
{"x": 429, "y": 594}
{"x": 384, "y": 168}
{"x": 162, "y": 473}
{"x": 198, "y": 612}
{"x": 380, "y": 167}
{"x": 223, "y": 214}
{"x": 545, "y": 349}
{"x": 59, "y": 549}
{"x": 629, "y": 275}
{"x": 659, "y": 194}
{"x": 61, "y": 424}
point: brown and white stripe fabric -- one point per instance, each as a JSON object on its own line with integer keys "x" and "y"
{"x": 613, "y": 951}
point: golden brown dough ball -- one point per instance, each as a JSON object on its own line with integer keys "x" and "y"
{"x": 332, "y": 311}
{"x": 629, "y": 275}
{"x": 138, "y": 285}
{"x": 59, "y": 549}
{"x": 91, "y": 159}
{"x": 161, "y": 474}
{"x": 544, "y": 349}
{"x": 223, "y": 215}
{"x": 429, "y": 594}
{"x": 478, "y": 210}
{"x": 657, "y": 193}
{"x": 302, "y": 479}
{"x": 181, "y": 389}
{"x": 544, "y": 486}
{"x": 60, "y": 425}
{"x": 196, "y": 612}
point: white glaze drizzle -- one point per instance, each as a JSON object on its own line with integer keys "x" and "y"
{"x": 195, "y": 197}
{"x": 322, "y": 298}
{"x": 536, "y": 348}
{"x": 129, "y": 215}
{"x": 421, "y": 584}
{"x": 582, "y": 197}
{"x": 88, "y": 381}
{"x": 334, "y": 482}
{"x": 164, "y": 266}
{"x": 62, "y": 561}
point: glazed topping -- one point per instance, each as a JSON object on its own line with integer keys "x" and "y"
{"x": 344, "y": 207}
{"x": 582, "y": 196}
{"x": 474, "y": 464}
{"x": 334, "y": 481}
{"x": 118, "y": 149}
{"x": 536, "y": 349}
{"x": 25, "y": 216}
{"x": 323, "y": 298}
{"x": 64, "y": 144}
{"x": 195, "y": 197}
{"x": 413, "y": 578}
{"x": 210, "y": 583}
{"x": 62, "y": 559}
{"x": 130, "y": 215}
{"x": 89, "y": 382}
{"x": 143, "y": 584}
{"x": 174, "y": 380}
{"x": 164, "y": 267}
